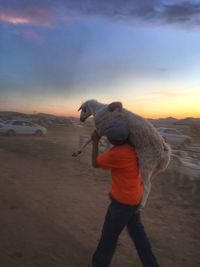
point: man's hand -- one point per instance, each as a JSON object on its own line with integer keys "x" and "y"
{"x": 95, "y": 136}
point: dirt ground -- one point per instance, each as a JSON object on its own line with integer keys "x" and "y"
{"x": 52, "y": 208}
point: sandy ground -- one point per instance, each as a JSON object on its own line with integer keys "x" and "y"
{"x": 52, "y": 210}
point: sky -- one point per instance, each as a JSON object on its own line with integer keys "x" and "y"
{"x": 56, "y": 54}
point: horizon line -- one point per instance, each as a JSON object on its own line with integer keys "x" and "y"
{"x": 76, "y": 116}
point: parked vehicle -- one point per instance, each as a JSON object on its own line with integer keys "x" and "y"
{"x": 174, "y": 137}
{"x": 14, "y": 127}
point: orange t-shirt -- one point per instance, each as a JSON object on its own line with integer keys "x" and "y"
{"x": 127, "y": 187}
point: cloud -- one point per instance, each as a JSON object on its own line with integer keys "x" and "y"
{"x": 29, "y": 34}
{"x": 14, "y": 19}
{"x": 185, "y": 12}
{"x": 48, "y": 12}
{"x": 26, "y": 12}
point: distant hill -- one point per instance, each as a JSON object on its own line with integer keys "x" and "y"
{"x": 42, "y": 118}
{"x": 188, "y": 121}
{"x": 11, "y": 114}
{"x": 163, "y": 122}
{"x": 50, "y": 118}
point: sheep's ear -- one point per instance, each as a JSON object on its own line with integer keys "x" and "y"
{"x": 115, "y": 106}
{"x": 80, "y": 108}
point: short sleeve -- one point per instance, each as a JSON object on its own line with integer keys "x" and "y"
{"x": 107, "y": 160}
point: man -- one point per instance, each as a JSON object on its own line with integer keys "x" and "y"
{"x": 125, "y": 194}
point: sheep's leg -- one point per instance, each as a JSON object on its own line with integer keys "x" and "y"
{"x": 76, "y": 153}
{"x": 147, "y": 163}
{"x": 147, "y": 189}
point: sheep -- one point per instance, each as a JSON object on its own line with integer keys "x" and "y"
{"x": 152, "y": 151}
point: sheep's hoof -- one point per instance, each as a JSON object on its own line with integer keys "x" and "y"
{"x": 75, "y": 154}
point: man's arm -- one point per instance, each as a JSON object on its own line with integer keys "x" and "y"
{"x": 95, "y": 150}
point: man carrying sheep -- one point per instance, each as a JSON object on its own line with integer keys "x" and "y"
{"x": 152, "y": 151}
{"x": 125, "y": 194}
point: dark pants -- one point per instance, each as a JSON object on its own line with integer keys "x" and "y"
{"x": 118, "y": 216}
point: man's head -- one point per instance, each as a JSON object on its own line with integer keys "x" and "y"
{"x": 116, "y": 131}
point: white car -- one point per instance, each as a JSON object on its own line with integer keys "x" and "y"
{"x": 174, "y": 137}
{"x": 14, "y": 127}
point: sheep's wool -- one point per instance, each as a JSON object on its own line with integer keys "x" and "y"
{"x": 152, "y": 151}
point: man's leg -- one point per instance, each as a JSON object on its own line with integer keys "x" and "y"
{"x": 140, "y": 239}
{"x": 116, "y": 219}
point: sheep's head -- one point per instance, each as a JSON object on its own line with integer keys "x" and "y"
{"x": 85, "y": 111}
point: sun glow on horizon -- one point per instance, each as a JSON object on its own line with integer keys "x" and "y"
{"x": 178, "y": 110}
{"x": 154, "y": 104}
